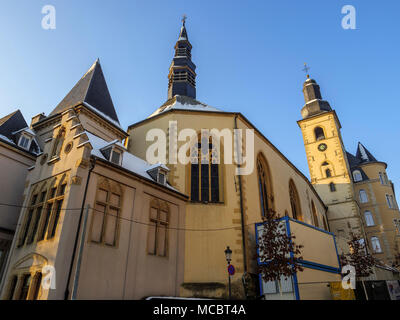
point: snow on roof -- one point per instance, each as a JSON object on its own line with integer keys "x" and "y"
{"x": 6, "y": 139}
{"x": 184, "y": 103}
{"x": 129, "y": 161}
{"x": 156, "y": 165}
{"x": 27, "y": 130}
{"x": 103, "y": 115}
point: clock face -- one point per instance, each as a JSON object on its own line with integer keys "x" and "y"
{"x": 322, "y": 147}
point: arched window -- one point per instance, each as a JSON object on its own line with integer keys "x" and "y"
{"x": 314, "y": 214}
{"x": 328, "y": 173}
{"x": 205, "y": 173}
{"x": 157, "y": 238}
{"x": 363, "y": 196}
{"x": 332, "y": 187}
{"x": 12, "y": 287}
{"x": 369, "y": 220}
{"x": 106, "y": 213}
{"x": 264, "y": 185}
{"x": 376, "y": 245}
{"x": 319, "y": 133}
{"x": 58, "y": 142}
{"x": 295, "y": 202}
{"x": 357, "y": 176}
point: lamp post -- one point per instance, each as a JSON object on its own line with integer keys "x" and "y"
{"x": 228, "y": 256}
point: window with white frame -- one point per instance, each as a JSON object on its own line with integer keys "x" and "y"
{"x": 24, "y": 142}
{"x": 369, "y": 219}
{"x": 386, "y": 178}
{"x": 116, "y": 157}
{"x": 363, "y": 196}
{"x": 381, "y": 178}
{"x": 390, "y": 201}
{"x": 376, "y": 245}
{"x": 357, "y": 176}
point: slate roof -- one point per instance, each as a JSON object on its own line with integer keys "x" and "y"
{"x": 11, "y": 128}
{"x": 183, "y": 103}
{"x": 364, "y": 155}
{"x": 11, "y": 123}
{"x": 92, "y": 89}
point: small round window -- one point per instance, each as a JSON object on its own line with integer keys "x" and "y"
{"x": 68, "y": 147}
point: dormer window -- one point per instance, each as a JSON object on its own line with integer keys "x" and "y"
{"x": 24, "y": 142}
{"x": 116, "y": 157}
{"x": 159, "y": 173}
{"x": 161, "y": 178}
{"x": 113, "y": 154}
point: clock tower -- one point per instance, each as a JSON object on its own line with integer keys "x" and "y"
{"x": 328, "y": 163}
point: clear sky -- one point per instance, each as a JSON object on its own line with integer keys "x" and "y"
{"x": 249, "y": 57}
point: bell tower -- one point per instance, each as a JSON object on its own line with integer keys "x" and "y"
{"x": 182, "y": 75}
{"x": 328, "y": 163}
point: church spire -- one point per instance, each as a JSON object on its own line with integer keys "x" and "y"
{"x": 182, "y": 75}
{"x": 313, "y": 98}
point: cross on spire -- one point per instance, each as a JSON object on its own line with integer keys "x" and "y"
{"x": 184, "y": 17}
{"x": 306, "y": 68}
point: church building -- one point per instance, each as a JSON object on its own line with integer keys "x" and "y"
{"x": 99, "y": 220}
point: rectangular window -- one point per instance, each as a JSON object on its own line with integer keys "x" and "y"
{"x": 194, "y": 190}
{"x": 26, "y": 282}
{"x": 56, "y": 218}
{"x": 205, "y": 183}
{"x": 389, "y": 202}
{"x": 381, "y": 178}
{"x": 43, "y": 228}
{"x": 26, "y": 227}
{"x": 35, "y": 222}
{"x": 116, "y": 157}
{"x": 12, "y": 288}
{"x": 157, "y": 232}
{"x": 105, "y": 218}
{"x": 97, "y": 222}
{"x": 214, "y": 183}
{"x": 37, "y": 284}
{"x": 111, "y": 227}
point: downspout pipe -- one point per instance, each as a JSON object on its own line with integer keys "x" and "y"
{"x": 241, "y": 210}
{"x": 78, "y": 231}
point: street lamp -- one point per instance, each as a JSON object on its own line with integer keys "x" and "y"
{"x": 228, "y": 256}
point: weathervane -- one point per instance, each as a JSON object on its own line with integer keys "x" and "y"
{"x": 306, "y": 68}
{"x": 184, "y": 17}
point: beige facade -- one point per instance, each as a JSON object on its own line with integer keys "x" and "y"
{"x": 330, "y": 174}
{"x": 356, "y": 189}
{"x": 14, "y": 164}
{"x": 129, "y": 213}
{"x": 379, "y": 210}
{"x": 232, "y": 218}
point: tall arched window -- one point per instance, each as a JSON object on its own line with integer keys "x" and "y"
{"x": 157, "y": 237}
{"x": 58, "y": 142}
{"x": 357, "y": 176}
{"x": 376, "y": 245}
{"x": 319, "y": 133}
{"x": 363, "y": 196}
{"x": 205, "y": 172}
{"x": 264, "y": 185}
{"x": 106, "y": 213}
{"x": 314, "y": 214}
{"x": 328, "y": 173}
{"x": 369, "y": 220}
{"x": 295, "y": 202}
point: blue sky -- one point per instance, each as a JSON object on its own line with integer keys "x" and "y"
{"x": 249, "y": 57}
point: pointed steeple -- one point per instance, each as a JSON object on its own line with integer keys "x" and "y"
{"x": 363, "y": 155}
{"x": 182, "y": 75}
{"x": 313, "y": 98}
{"x": 92, "y": 89}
